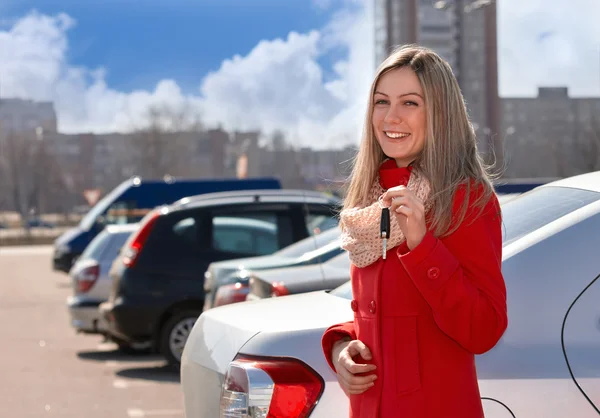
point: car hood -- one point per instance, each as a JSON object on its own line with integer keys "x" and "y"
{"x": 220, "y": 333}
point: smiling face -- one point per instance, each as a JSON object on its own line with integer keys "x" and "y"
{"x": 399, "y": 115}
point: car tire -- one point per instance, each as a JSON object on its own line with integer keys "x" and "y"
{"x": 128, "y": 349}
{"x": 174, "y": 334}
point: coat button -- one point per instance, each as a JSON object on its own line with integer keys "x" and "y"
{"x": 354, "y": 305}
{"x": 372, "y": 307}
{"x": 433, "y": 273}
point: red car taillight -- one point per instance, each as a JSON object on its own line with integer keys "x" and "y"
{"x": 86, "y": 278}
{"x": 231, "y": 293}
{"x": 132, "y": 252}
{"x": 269, "y": 387}
{"x": 279, "y": 289}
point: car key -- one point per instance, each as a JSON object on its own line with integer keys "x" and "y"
{"x": 385, "y": 229}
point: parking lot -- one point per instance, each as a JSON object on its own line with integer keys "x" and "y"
{"x": 48, "y": 370}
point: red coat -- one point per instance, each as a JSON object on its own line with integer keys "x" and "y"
{"x": 424, "y": 314}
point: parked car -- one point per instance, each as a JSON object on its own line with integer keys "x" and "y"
{"x": 130, "y": 201}
{"x": 91, "y": 283}
{"x": 158, "y": 289}
{"x": 227, "y": 281}
{"x": 551, "y": 237}
{"x": 292, "y": 280}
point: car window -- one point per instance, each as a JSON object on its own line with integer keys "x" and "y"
{"x": 539, "y": 207}
{"x": 317, "y": 223}
{"x": 116, "y": 243}
{"x": 177, "y": 238}
{"x": 95, "y": 248}
{"x": 186, "y": 231}
{"x": 250, "y": 234}
{"x": 319, "y": 218}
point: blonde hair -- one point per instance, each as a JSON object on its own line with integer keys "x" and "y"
{"x": 449, "y": 159}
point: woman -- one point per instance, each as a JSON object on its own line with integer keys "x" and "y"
{"x": 437, "y": 297}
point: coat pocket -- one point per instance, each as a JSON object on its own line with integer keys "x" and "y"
{"x": 406, "y": 350}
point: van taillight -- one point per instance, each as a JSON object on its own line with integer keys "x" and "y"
{"x": 269, "y": 387}
{"x": 134, "y": 249}
{"x": 87, "y": 277}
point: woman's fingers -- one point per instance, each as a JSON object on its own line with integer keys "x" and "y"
{"x": 351, "y": 375}
{"x": 358, "y": 389}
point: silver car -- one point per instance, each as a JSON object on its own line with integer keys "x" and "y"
{"x": 302, "y": 279}
{"x": 89, "y": 276}
{"x": 221, "y": 273}
{"x": 237, "y": 355}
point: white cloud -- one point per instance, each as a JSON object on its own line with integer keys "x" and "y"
{"x": 547, "y": 44}
{"x": 279, "y": 84}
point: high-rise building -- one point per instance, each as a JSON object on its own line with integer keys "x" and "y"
{"x": 19, "y": 116}
{"x": 464, "y": 33}
{"x": 551, "y": 135}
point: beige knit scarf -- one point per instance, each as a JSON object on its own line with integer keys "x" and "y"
{"x": 361, "y": 225}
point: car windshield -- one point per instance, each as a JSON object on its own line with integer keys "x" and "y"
{"x": 90, "y": 218}
{"x": 96, "y": 247}
{"x": 333, "y": 246}
{"x": 526, "y": 214}
{"x": 310, "y": 243}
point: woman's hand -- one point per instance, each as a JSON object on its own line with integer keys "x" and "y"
{"x": 409, "y": 211}
{"x": 347, "y": 369}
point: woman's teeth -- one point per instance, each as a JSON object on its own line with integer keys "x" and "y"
{"x": 395, "y": 135}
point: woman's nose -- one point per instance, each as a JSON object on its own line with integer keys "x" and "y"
{"x": 393, "y": 115}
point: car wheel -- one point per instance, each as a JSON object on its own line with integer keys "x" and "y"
{"x": 175, "y": 332}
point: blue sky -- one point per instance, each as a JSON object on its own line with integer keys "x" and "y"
{"x": 142, "y": 42}
{"x": 302, "y": 66}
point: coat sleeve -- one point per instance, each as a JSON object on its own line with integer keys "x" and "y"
{"x": 334, "y": 334}
{"x": 460, "y": 277}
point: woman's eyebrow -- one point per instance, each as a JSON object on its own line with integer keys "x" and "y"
{"x": 401, "y": 95}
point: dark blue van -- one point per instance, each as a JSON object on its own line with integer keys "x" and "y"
{"x": 131, "y": 200}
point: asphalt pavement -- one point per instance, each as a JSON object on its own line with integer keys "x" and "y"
{"x": 50, "y": 371}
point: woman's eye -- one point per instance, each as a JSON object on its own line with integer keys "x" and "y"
{"x": 380, "y": 101}
{"x": 409, "y": 103}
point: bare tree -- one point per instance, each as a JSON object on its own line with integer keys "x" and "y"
{"x": 165, "y": 145}
{"x": 31, "y": 176}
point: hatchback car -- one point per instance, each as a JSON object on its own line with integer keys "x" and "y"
{"x": 266, "y": 356}
{"x": 91, "y": 282}
{"x": 158, "y": 289}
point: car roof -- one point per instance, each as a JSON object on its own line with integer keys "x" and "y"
{"x": 120, "y": 228}
{"x": 250, "y": 196}
{"x": 587, "y": 181}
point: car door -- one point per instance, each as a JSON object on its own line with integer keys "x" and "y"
{"x": 250, "y": 230}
